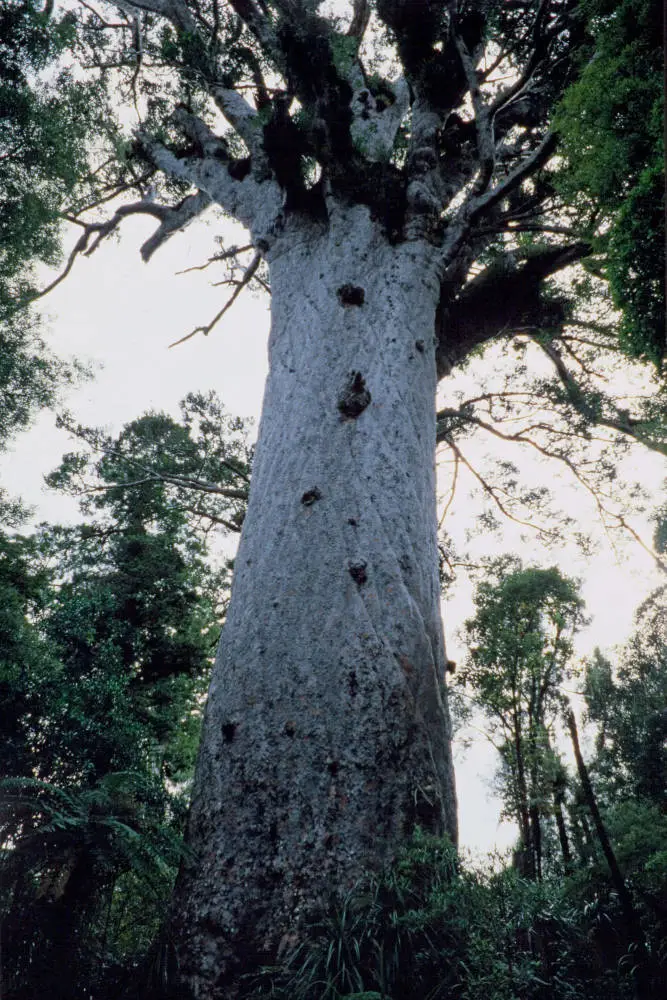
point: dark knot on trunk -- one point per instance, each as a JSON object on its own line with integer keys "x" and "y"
{"x": 351, "y": 295}
{"x": 355, "y": 396}
{"x": 310, "y": 496}
{"x": 358, "y": 572}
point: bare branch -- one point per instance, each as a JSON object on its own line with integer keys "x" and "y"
{"x": 537, "y": 51}
{"x": 184, "y": 482}
{"x": 607, "y": 515}
{"x": 537, "y": 158}
{"x": 215, "y": 518}
{"x": 223, "y": 255}
{"x": 247, "y": 276}
{"x": 624, "y": 423}
{"x": 493, "y": 493}
{"x": 452, "y": 491}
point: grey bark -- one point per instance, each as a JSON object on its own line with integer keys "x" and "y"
{"x": 326, "y": 738}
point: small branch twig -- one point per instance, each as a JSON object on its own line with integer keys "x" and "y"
{"x": 223, "y": 255}
{"x": 245, "y": 280}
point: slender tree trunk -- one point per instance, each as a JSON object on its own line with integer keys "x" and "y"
{"x": 562, "y": 831}
{"x": 326, "y": 738}
{"x": 630, "y": 915}
{"x": 536, "y": 841}
{"x": 527, "y": 864}
{"x": 580, "y": 836}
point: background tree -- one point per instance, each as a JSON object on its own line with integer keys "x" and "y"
{"x": 51, "y": 119}
{"x": 108, "y": 632}
{"x": 608, "y": 822}
{"x": 627, "y": 707}
{"x": 520, "y": 642}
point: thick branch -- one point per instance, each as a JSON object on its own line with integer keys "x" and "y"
{"x": 503, "y": 298}
{"x": 483, "y": 120}
{"x": 171, "y": 218}
{"x": 175, "y": 220}
{"x": 176, "y": 11}
{"x": 255, "y": 204}
{"x": 360, "y": 17}
{"x": 259, "y": 26}
{"x": 241, "y": 116}
{"x": 481, "y": 204}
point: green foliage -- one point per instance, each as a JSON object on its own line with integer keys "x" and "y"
{"x": 49, "y": 124}
{"x": 194, "y": 472}
{"x": 610, "y": 122}
{"x": 46, "y": 119}
{"x": 107, "y": 632}
{"x": 31, "y": 377}
{"x": 70, "y": 848}
{"x": 431, "y": 927}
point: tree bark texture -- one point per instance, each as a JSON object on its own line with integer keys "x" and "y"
{"x": 326, "y": 738}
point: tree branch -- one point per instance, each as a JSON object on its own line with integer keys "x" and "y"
{"x": 482, "y": 203}
{"x": 361, "y": 13}
{"x": 245, "y": 280}
{"x": 491, "y": 492}
{"x": 504, "y": 98}
{"x": 608, "y": 517}
{"x": 624, "y": 424}
{"x": 505, "y": 297}
{"x": 486, "y": 149}
{"x": 175, "y": 220}
{"x": 172, "y": 219}
{"x": 256, "y": 204}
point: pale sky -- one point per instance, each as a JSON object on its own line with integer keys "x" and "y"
{"x": 122, "y": 314}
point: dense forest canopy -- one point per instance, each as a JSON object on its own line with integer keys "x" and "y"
{"x": 421, "y": 182}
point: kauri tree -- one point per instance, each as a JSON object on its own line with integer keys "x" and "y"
{"x": 394, "y": 163}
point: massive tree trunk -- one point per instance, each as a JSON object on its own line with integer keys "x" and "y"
{"x": 326, "y": 738}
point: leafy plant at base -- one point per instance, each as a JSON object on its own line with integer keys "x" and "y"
{"x": 434, "y": 928}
